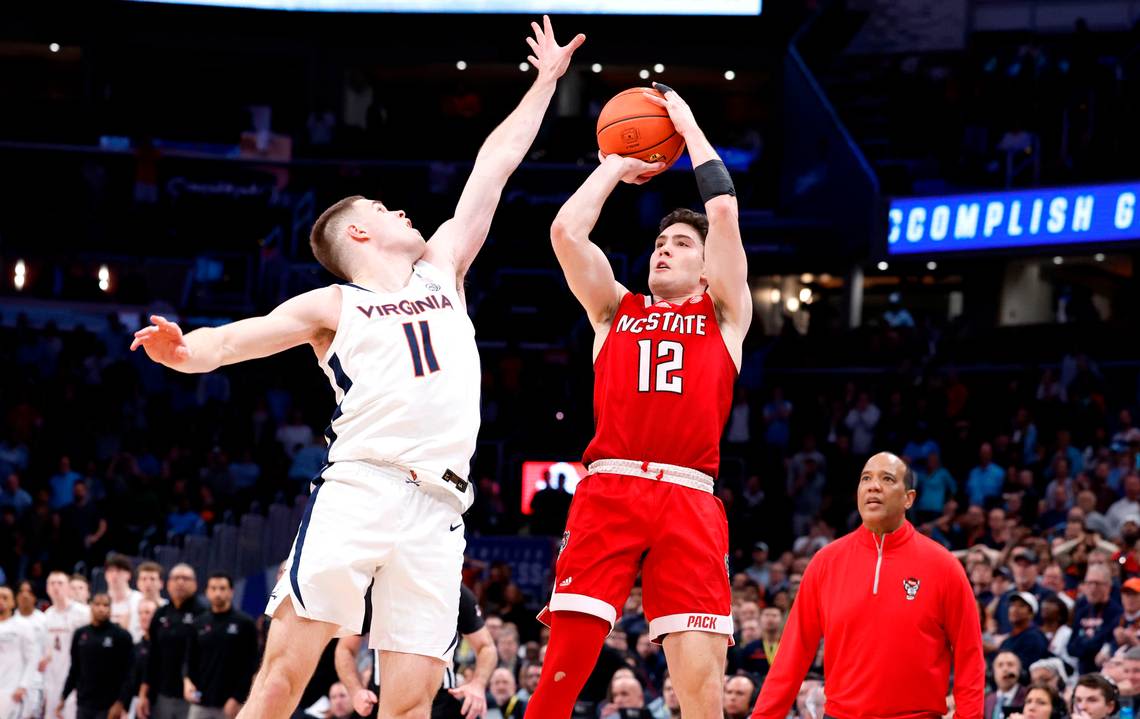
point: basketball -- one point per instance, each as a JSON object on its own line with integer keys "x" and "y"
{"x": 632, "y": 126}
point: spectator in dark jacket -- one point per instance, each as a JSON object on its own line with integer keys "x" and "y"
{"x": 1025, "y": 639}
{"x": 161, "y": 695}
{"x": 1096, "y": 616}
{"x": 100, "y": 666}
{"x": 221, "y": 657}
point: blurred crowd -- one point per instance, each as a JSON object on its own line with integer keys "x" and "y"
{"x": 1029, "y": 476}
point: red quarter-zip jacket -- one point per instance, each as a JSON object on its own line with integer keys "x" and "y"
{"x": 896, "y": 614}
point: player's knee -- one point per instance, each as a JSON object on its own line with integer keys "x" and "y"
{"x": 279, "y": 681}
{"x": 407, "y": 707}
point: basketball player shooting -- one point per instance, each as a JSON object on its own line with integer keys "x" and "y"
{"x": 664, "y": 367}
{"x": 383, "y": 523}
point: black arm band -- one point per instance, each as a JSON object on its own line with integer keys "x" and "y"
{"x": 713, "y": 180}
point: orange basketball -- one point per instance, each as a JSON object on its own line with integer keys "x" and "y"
{"x": 632, "y": 126}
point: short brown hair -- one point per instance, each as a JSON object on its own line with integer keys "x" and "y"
{"x": 1106, "y": 688}
{"x": 323, "y": 238}
{"x": 117, "y": 561}
{"x": 151, "y": 567}
{"x": 684, "y": 215}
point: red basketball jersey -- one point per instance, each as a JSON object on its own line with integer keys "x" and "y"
{"x": 662, "y": 385}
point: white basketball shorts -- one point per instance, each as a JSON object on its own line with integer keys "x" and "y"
{"x": 374, "y": 542}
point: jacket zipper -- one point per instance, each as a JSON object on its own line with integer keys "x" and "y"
{"x": 878, "y": 562}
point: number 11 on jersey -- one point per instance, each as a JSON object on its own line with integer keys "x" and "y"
{"x": 675, "y": 351}
{"x": 414, "y": 347}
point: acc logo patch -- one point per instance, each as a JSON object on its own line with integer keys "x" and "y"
{"x": 910, "y": 586}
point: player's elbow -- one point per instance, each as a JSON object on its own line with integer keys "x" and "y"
{"x": 562, "y": 233}
{"x": 494, "y": 164}
{"x": 722, "y": 209}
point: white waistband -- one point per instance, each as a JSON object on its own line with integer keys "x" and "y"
{"x": 684, "y": 476}
{"x": 433, "y": 485}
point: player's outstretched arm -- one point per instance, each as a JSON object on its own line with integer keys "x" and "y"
{"x": 726, "y": 263}
{"x": 586, "y": 267}
{"x": 459, "y": 239}
{"x": 304, "y": 319}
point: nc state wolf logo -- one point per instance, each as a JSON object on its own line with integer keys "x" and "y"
{"x": 910, "y": 586}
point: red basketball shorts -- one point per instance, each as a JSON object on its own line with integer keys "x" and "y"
{"x": 677, "y": 536}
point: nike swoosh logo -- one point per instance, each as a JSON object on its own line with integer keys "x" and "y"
{"x": 457, "y": 526}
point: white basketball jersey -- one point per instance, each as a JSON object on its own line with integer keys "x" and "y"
{"x": 60, "y": 626}
{"x": 405, "y": 370}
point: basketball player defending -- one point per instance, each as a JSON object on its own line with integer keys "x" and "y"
{"x": 664, "y": 367}
{"x": 383, "y": 523}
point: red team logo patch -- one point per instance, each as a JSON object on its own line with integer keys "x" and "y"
{"x": 910, "y": 586}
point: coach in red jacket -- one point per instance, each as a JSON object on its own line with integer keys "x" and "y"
{"x": 897, "y": 614}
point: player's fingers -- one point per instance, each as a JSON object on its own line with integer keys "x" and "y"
{"x": 533, "y": 60}
{"x": 465, "y": 710}
{"x": 537, "y": 31}
{"x": 660, "y": 102}
{"x": 663, "y": 88}
{"x": 533, "y": 45}
{"x": 577, "y": 42}
{"x": 547, "y": 28}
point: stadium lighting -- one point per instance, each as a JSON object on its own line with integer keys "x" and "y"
{"x": 658, "y": 68}
{"x": 882, "y": 266}
{"x": 461, "y": 65}
{"x": 596, "y": 67}
{"x": 774, "y": 296}
{"x": 807, "y": 278}
{"x": 644, "y": 74}
{"x": 805, "y": 295}
{"x": 54, "y": 47}
{"x": 104, "y": 278}
{"x": 1058, "y": 260}
{"x": 729, "y": 74}
{"x": 1099, "y": 257}
{"x": 559, "y": 415}
{"x": 932, "y": 265}
{"x": 792, "y": 304}
{"x": 19, "y": 276}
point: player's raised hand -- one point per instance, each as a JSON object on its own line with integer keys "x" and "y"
{"x": 633, "y": 171}
{"x": 550, "y": 58}
{"x": 163, "y": 342}
{"x": 679, "y": 111}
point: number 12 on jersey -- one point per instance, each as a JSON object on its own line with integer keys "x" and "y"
{"x": 414, "y": 348}
{"x": 671, "y": 355}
